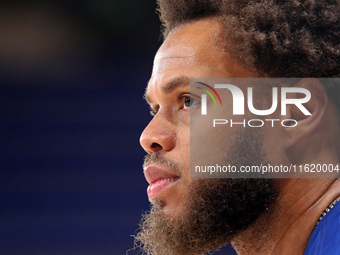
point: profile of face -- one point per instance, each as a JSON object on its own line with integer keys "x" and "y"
{"x": 193, "y": 216}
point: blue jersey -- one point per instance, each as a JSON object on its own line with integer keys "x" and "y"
{"x": 325, "y": 239}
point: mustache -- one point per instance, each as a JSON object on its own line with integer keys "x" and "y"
{"x": 159, "y": 160}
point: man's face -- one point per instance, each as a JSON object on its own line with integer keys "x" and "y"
{"x": 193, "y": 50}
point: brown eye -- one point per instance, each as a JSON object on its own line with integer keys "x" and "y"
{"x": 154, "y": 110}
{"x": 189, "y": 102}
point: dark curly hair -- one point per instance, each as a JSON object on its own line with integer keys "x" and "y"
{"x": 293, "y": 38}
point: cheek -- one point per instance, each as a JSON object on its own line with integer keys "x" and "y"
{"x": 183, "y": 131}
{"x": 183, "y": 144}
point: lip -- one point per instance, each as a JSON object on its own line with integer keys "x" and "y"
{"x": 159, "y": 179}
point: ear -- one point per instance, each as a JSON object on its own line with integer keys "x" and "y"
{"x": 306, "y": 124}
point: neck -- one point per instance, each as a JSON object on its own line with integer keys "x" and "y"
{"x": 288, "y": 225}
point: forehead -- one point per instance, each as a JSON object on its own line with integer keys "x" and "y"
{"x": 189, "y": 44}
{"x": 195, "y": 50}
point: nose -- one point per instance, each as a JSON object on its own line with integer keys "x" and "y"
{"x": 158, "y": 136}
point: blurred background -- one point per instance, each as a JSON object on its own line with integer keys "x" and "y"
{"x": 72, "y": 77}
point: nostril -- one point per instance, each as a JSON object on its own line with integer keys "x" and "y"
{"x": 156, "y": 146}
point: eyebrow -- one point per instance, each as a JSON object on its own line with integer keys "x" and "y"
{"x": 170, "y": 86}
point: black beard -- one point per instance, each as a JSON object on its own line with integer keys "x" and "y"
{"x": 216, "y": 211}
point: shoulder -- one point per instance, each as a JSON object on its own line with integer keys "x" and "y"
{"x": 325, "y": 238}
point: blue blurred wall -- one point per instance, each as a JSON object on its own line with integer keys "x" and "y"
{"x": 72, "y": 76}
